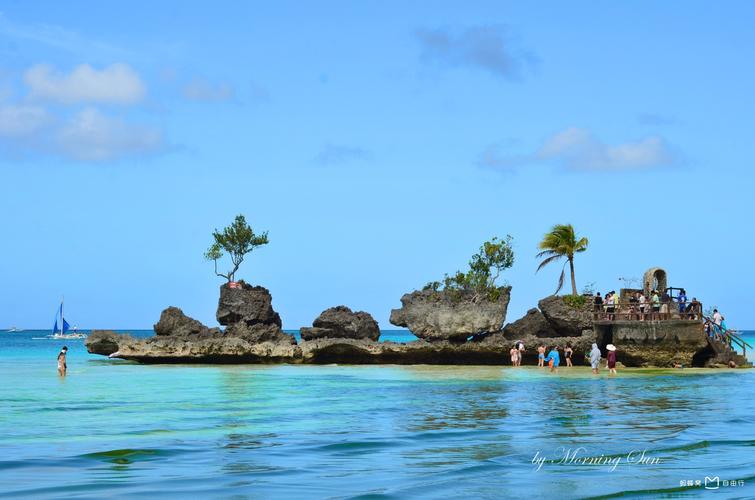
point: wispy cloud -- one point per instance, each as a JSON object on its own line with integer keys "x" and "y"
{"x": 489, "y": 48}
{"x": 578, "y": 149}
{"x": 114, "y": 84}
{"x": 59, "y": 38}
{"x": 333, "y": 154}
{"x": 92, "y": 136}
{"x": 21, "y": 120}
{"x": 200, "y": 89}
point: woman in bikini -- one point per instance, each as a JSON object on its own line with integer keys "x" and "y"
{"x": 62, "y": 367}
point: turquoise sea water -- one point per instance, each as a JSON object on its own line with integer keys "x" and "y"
{"x": 117, "y": 429}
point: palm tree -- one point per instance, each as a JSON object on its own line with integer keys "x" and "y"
{"x": 559, "y": 242}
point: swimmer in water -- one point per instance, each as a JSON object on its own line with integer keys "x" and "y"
{"x": 62, "y": 367}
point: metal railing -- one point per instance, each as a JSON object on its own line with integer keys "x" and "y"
{"x": 728, "y": 336}
{"x": 626, "y": 310}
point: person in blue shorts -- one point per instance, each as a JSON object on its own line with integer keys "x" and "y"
{"x": 540, "y": 356}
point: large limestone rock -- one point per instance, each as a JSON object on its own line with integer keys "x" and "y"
{"x": 249, "y": 304}
{"x": 259, "y": 333}
{"x": 174, "y": 322}
{"x": 104, "y": 342}
{"x": 342, "y": 322}
{"x": 439, "y": 316}
{"x": 565, "y": 319}
{"x": 531, "y": 324}
{"x": 580, "y": 345}
{"x": 255, "y": 344}
{"x": 658, "y": 343}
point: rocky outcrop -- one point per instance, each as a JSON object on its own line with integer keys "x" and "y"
{"x": 341, "y": 322}
{"x": 195, "y": 349}
{"x": 657, "y": 343}
{"x": 248, "y": 304}
{"x": 104, "y": 342}
{"x": 532, "y": 324}
{"x": 352, "y": 351}
{"x": 564, "y": 318}
{"x": 444, "y": 323}
{"x": 253, "y": 335}
{"x": 259, "y": 333}
{"x": 451, "y": 316}
{"x": 174, "y": 322}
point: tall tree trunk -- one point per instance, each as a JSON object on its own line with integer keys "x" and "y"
{"x": 573, "y": 281}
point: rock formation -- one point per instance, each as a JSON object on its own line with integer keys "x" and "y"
{"x": 566, "y": 319}
{"x": 253, "y": 335}
{"x": 656, "y": 343}
{"x": 342, "y": 322}
{"x": 174, "y": 322}
{"x": 217, "y": 348}
{"x": 249, "y": 304}
{"x": 531, "y": 324}
{"x": 444, "y": 324}
{"x": 444, "y": 316}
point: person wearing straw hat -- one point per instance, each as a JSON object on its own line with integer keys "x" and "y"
{"x": 611, "y": 357}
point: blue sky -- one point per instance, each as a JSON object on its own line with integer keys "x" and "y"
{"x": 380, "y": 143}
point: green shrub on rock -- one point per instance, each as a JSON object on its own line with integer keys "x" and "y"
{"x": 485, "y": 268}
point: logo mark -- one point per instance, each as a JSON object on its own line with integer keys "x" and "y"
{"x": 711, "y": 483}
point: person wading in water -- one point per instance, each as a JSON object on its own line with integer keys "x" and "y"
{"x": 62, "y": 367}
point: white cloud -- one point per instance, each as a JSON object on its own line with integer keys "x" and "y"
{"x": 202, "y": 90}
{"x": 578, "y": 149}
{"x": 92, "y": 136}
{"x": 18, "y": 121}
{"x": 116, "y": 84}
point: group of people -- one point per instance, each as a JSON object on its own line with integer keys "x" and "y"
{"x": 553, "y": 357}
{"x": 716, "y": 327}
{"x": 641, "y": 307}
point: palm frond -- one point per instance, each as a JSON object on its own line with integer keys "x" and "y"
{"x": 561, "y": 280}
{"x": 546, "y": 252}
{"x": 548, "y": 261}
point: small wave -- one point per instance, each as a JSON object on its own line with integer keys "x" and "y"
{"x": 129, "y": 455}
{"x": 354, "y": 447}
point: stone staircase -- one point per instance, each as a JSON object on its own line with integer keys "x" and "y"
{"x": 725, "y": 353}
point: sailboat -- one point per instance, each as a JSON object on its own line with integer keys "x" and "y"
{"x": 62, "y": 333}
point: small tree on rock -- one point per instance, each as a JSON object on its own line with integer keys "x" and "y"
{"x": 485, "y": 267}
{"x": 238, "y": 239}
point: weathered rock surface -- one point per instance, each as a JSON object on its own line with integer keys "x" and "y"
{"x": 342, "y": 322}
{"x": 249, "y": 304}
{"x": 565, "y": 319}
{"x": 211, "y": 348}
{"x": 657, "y": 343}
{"x": 353, "y": 351}
{"x": 174, "y": 322}
{"x": 531, "y": 324}
{"x": 103, "y": 342}
{"x": 259, "y": 333}
{"x": 439, "y": 316}
{"x": 580, "y": 344}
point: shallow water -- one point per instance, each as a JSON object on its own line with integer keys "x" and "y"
{"x": 113, "y": 428}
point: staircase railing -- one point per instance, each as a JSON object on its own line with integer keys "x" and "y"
{"x": 730, "y": 337}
